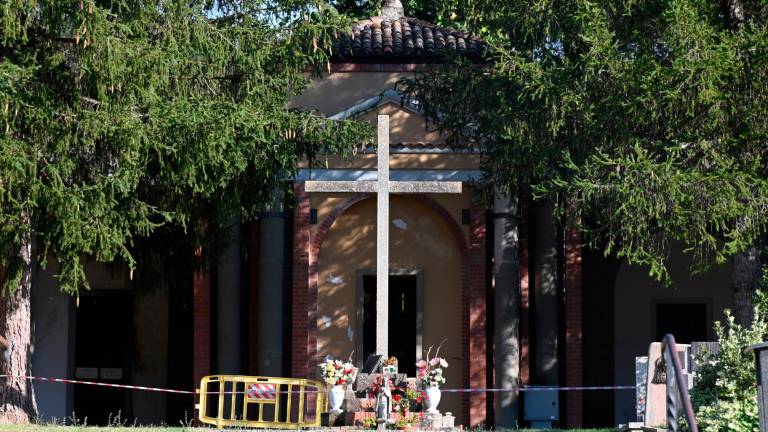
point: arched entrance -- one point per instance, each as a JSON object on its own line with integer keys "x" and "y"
{"x": 428, "y": 275}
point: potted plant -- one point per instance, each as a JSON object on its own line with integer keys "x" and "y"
{"x": 430, "y": 372}
{"x": 390, "y": 366}
{"x": 414, "y": 398}
{"x": 407, "y": 422}
{"x": 335, "y": 374}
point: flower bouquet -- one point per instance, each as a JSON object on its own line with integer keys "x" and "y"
{"x": 430, "y": 372}
{"x": 336, "y": 373}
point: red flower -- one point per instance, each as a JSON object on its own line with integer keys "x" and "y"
{"x": 396, "y": 397}
{"x": 340, "y": 382}
{"x": 421, "y": 397}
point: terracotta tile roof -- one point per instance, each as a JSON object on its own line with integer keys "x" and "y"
{"x": 383, "y": 39}
{"x": 429, "y": 147}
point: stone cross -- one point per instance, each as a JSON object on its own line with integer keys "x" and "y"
{"x": 382, "y": 188}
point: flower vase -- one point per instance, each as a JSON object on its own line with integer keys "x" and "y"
{"x": 432, "y": 399}
{"x": 336, "y": 398}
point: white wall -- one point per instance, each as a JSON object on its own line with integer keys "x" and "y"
{"x": 635, "y": 293}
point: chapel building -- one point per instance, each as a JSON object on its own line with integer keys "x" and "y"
{"x": 299, "y": 284}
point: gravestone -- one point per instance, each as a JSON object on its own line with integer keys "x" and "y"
{"x": 356, "y": 396}
{"x": 372, "y": 364}
{"x": 364, "y": 381}
{"x": 656, "y": 386}
{"x": 641, "y": 386}
{"x": 651, "y": 398}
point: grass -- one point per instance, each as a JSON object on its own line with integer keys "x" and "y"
{"x": 60, "y": 428}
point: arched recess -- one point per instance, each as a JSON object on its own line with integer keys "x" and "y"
{"x": 472, "y": 292}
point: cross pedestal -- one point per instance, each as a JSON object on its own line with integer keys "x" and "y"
{"x": 382, "y": 187}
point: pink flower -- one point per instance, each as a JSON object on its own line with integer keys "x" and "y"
{"x": 438, "y": 361}
{"x": 421, "y": 364}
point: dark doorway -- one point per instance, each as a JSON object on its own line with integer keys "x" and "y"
{"x": 403, "y": 310}
{"x": 180, "y": 407}
{"x": 687, "y": 322}
{"x": 103, "y": 331}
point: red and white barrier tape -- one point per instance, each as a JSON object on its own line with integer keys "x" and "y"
{"x": 537, "y": 388}
{"x": 100, "y": 384}
{"x": 475, "y": 390}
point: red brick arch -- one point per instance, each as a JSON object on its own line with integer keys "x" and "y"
{"x": 472, "y": 253}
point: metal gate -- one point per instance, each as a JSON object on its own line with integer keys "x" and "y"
{"x": 260, "y": 402}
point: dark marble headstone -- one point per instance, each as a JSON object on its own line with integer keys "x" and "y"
{"x": 372, "y": 364}
{"x": 365, "y": 380}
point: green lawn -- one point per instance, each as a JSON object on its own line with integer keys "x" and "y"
{"x": 57, "y": 428}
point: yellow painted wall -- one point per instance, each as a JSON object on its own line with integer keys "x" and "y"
{"x": 341, "y": 90}
{"x": 405, "y": 127}
{"x": 426, "y": 244}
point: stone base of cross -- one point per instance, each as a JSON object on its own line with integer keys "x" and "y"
{"x": 382, "y": 187}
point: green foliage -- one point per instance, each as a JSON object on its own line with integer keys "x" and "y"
{"x": 647, "y": 117}
{"x": 725, "y": 394}
{"x": 119, "y": 117}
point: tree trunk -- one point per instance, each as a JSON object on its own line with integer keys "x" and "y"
{"x": 746, "y": 265}
{"x": 17, "y": 400}
{"x": 747, "y": 272}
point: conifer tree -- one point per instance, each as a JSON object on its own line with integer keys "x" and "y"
{"x": 119, "y": 117}
{"x": 647, "y": 116}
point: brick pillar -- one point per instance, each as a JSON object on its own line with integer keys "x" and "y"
{"x": 573, "y": 327}
{"x": 201, "y": 324}
{"x": 300, "y": 284}
{"x": 476, "y": 363}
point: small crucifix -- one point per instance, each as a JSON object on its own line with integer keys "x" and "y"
{"x": 382, "y": 188}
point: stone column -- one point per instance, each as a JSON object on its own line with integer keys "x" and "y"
{"x": 269, "y": 342}
{"x": 228, "y": 276}
{"x": 507, "y": 307}
{"x": 545, "y": 299}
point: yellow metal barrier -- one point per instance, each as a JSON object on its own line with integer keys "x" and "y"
{"x": 260, "y": 402}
